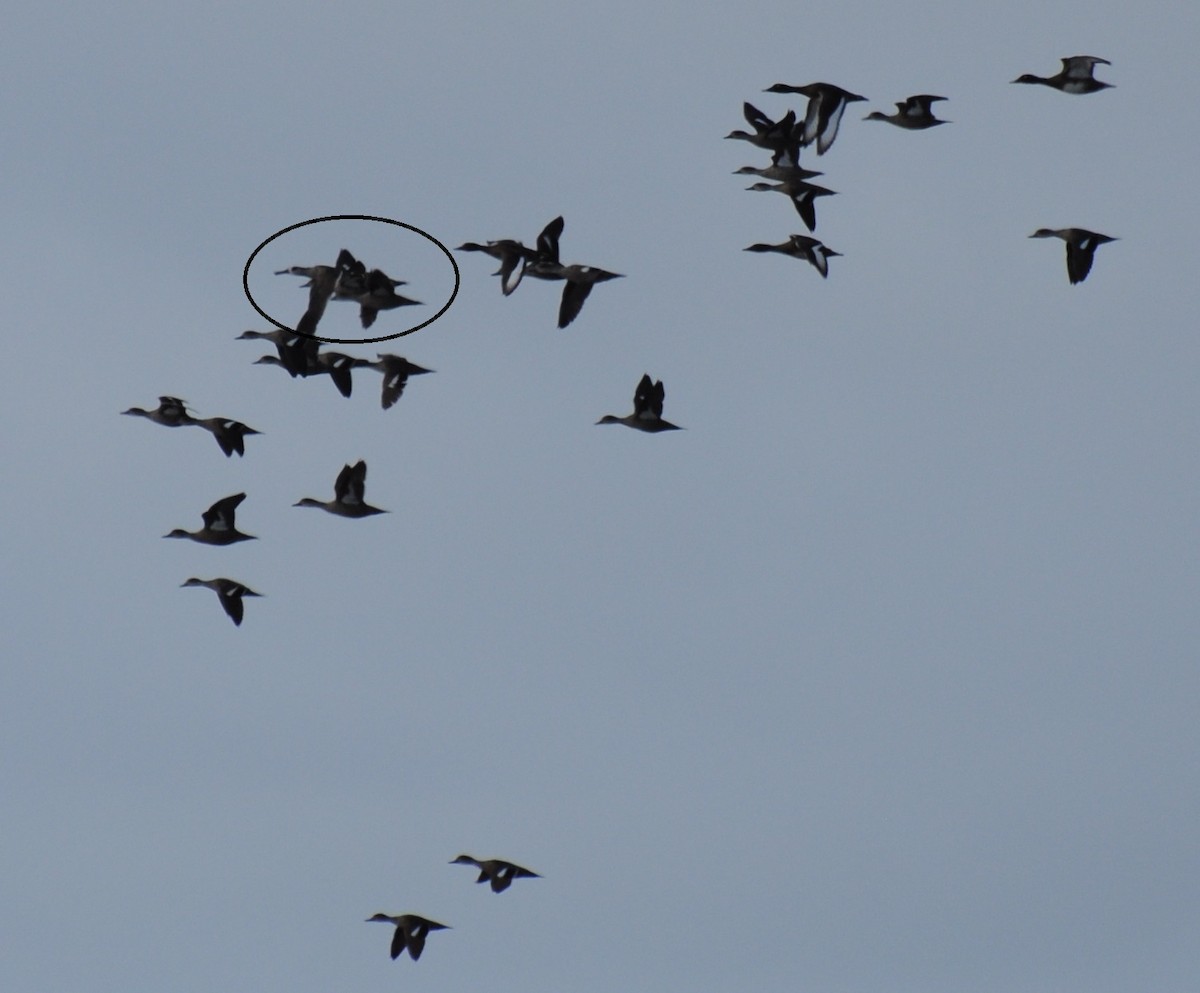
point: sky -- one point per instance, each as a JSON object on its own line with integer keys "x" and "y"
{"x": 880, "y": 676}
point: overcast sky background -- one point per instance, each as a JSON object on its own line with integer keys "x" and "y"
{"x": 881, "y": 676}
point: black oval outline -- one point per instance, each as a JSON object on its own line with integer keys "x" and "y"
{"x": 350, "y": 217}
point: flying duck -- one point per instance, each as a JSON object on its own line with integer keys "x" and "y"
{"x": 396, "y": 371}
{"x": 1074, "y": 77}
{"x": 778, "y": 172}
{"x": 542, "y": 262}
{"x": 379, "y": 294}
{"x": 773, "y": 135}
{"x": 913, "y": 114}
{"x": 219, "y": 527}
{"x": 826, "y": 104}
{"x": 801, "y": 247}
{"x": 347, "y": 274}
{"x": 803, "y": 196}
{"x": 496, "y": 871}
{"x": 580, "y": 280}
{"x": 348, "y": 492}
{"x": 230, "y": 593}
{"x": 411, "y": 931}
{"x": 171, "y": 412}
{"x": 1081, "y": 248}
{"x": 230, "y": 434}
{"x": 647, "y": 409}
{"x": 509, "y": 253}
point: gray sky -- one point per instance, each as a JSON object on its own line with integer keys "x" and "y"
{"x": 880, "y": 676}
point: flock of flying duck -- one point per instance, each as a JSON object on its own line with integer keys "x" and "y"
{"x": 299, "y": 351}
{"x": 300, "y": 354}
{"x": 784, "y": 138}
{"x": 412, "y": 929}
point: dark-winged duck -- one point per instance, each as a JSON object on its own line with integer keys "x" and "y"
{"x": 336, "y": 365}
{"x": 803, "y": 196}
{"x": 580, "y": 280}
{"x": 219, "y": 525}
{"x": 511, "y": 255}
{"x": 230, "y": 434}
{"x": 230, "y": 593}
{"x": 171, "y": 412}
{"x": 801, "y": 247}
{"x": 348, "y": 494}
{"x": 913, "y": 114}
{"x": 495, "y": 871}
{"x": 647, "y": 409}
{"x": 411, "y": 931}
{"x": 779, "y": 173}
{"x": 826, "y": 104}
{"x": 347, "y": 275}
{"x": 542, "y": 262}
{"x": 380, "y": 294}
{"x": 396, "y": 371}
{"x": 1081, "y": 248}
{"x": 1076, "y": 75}
{"x": 773, "y": 135}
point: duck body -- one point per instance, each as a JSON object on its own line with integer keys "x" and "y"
{"x": 647, "y": 409}
{"x": 542, "y": 262}
{"x": 336, "y": 365}
{"x": 347, "y": 275}
{"x": 348, "y": 494}
{"x": 380, "y": 294}
{"x": 396, "y": 371}
{"x": 803, "y": 196}
{"x": 1081, "y": 248}
{"x": 219, "y": 524}
{"x": 779, "y": 173}
{"x": 802, "y": 247}
{"x": 229, "y": 592}
{"x": 826, "y": 105}
{"x": 773, "y": 135}
{"x": 230, "y": 434}
{"x": 411, "y": 932}
{"x": 498, "y": 873}
{"x": 912, "y": 114}
{"x": 510, "y": 254}
{"x": 171, "y": 412}
{"x": 1076, "y": 76}
{"x": 580, "y": 279}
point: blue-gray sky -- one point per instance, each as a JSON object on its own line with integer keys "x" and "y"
{"x": 880, "y": 676}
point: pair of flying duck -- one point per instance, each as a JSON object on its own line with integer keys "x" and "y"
{"x": 172, "y": 412}
{"x": 412, "y": 929}
{"x": 1077, "y": 76}
{"x": 220, "y": 525}
{"x": 517, "y": 261}
{"x": 347, "y": 279}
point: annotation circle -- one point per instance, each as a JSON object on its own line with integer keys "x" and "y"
{"x": 352, "y": 217}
